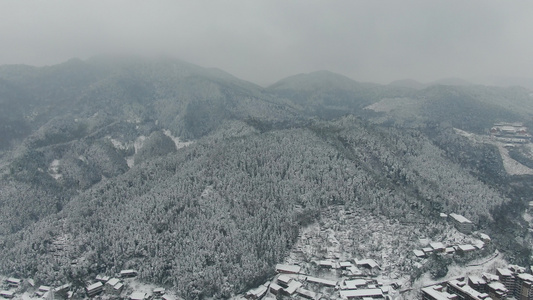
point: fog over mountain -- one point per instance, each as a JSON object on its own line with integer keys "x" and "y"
{"x": 202, "y": 182}
{"x": 263, "y": 41}
{"x": 199, "y": 145}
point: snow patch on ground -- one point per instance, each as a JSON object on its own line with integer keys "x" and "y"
{"x": 177, "y": 141}
{"x": 130, "y": 161}
{"x": 512, "y": 167}
{"x": 116, "y": 143}
{"x": 53, "y": 169}
{"x": 138, "y": 144}
{"x": 390, "y": 104}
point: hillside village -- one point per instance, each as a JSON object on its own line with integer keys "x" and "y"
{"x": 348, "y": 255}
{"x": 328, "y": 262}
{"x": 123, "y": 286}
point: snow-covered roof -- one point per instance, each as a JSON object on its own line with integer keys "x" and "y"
{"x": 354, "y": 284}
{"x": 293, "y": 286}
{"x": 508, "y": 128}
{"x": 467, "y": 289}
{"x": 419, "y": 253}
{"x": 345, "y": 264}
{"x": 327, "y": 263}
{"x": 284, "y": 278}
{"x": 63, "y": 287}
{"x": 113, "y": 281}
{"x": 460, "y": 218}
{"x": 437, "y": 295}
{"x": 437, "y": 245}
{"x": 370, "y": 262}
{"x": 321, "y": 281}
{"x": 361, "y": 293}
{"x": 476, "y": 279}
{"x": 466, "y": 248}
{"x": 498, "y": 286}
{"x": 525, "y": 277}
{"x": 306, "y": 293}
{"x": 490, "y": 277}
{"x": 258, "y": 292}
{"x": 7, "y": 293}
{"x": 354, "y": 270}
{"x": 275, "y": 287}
{"x": 479, "y": 244}
{"x": 44, "y": 288}
{"x": 505, "y": 272}
{"x": 484, "y": 236}
{"x": 138, "y": 296}
{"x": 102, "y": 278}
{"x": 167, "y": 297}
{"x": 94, "y": 286}
{"x": 14, "y": 280}
{"x": 282, "y": 268}
{"x": 517, "y": 268}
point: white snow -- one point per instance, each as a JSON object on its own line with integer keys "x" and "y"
{"x": 53, "y": 169}
{"x": 482, "y": 265}
{"x": 130, "y": 161}
{"x": 139, "y": 143}
{"x": 179, "y": 144}
{"x": 116, "y": 143}
{"x": 389, "y": 104}
{"x": 512, "y": 167}
{"x": 136, "y": 145}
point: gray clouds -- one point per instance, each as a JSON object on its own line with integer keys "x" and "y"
{"x": 263, "y": 41}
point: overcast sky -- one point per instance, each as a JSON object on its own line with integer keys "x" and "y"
{"x": 264, "y": 41}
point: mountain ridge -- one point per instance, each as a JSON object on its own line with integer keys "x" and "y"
{"x": 99, "y": 165}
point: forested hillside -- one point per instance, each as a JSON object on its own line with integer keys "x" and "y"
{"x": 214, "y": 217}
{"x": 98, "y": 162}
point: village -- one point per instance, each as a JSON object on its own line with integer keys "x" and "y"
{"x": 123, "y": 286}
{"x": 326, "y": 262}
{"x": 335, "y": 260}
{"x": 513, "y": 282}
{"x": 348, "y": 254}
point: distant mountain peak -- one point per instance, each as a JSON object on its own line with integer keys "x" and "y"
{"x": 316, "y": 79}
{"x": 408, "y": 83}
{"x": 451, "y": 81}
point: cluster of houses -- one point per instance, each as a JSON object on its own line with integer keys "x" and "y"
{"x": 13, "y": 285}
{"x": 10, "y": 284}
{"x": 111, "y": 286}
{"x": 115, "y": 287}
{"x": 514, "y": 133}
{"x": 508, "y": 283}
{"x": 292, "y": 281}
{"x": 463, "y": 225}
